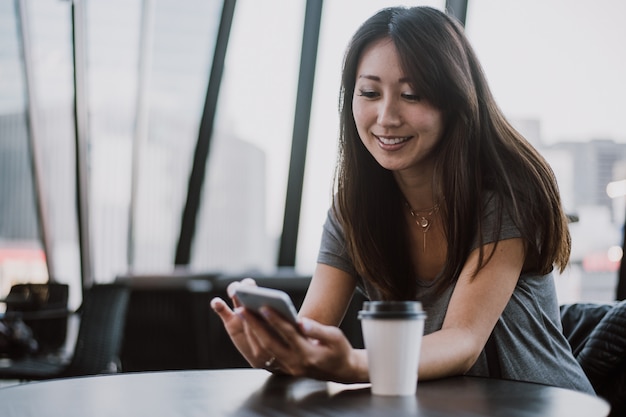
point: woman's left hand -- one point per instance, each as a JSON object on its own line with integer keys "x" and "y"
{"x": 310, "y": 349}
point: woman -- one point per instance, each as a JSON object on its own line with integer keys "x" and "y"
{"x": 437, "y": 199}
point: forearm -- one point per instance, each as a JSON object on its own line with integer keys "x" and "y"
{"x": 447, "y": 352}
{"x": 443, "y": 353}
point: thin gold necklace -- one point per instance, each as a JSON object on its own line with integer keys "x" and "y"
{"x": 422, "y": 218}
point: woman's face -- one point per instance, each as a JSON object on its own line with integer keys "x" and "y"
{"x": 397, "y": 126}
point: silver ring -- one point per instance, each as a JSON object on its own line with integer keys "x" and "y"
{"x": 270, "y": 362}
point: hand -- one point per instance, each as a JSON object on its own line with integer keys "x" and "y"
{"x": 313, "y": 350}
{"x": 237, "y": 329}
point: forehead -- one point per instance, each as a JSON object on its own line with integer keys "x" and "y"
{"x": 380, "y": 59}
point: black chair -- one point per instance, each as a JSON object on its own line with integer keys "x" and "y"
{"x": 43, "y": 307}
{"x": 167, "y": 322}
{"x": 102, "y": 314}
{"x": 597, "y": 334}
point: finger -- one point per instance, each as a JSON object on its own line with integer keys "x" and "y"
{"x": 317, "y": 331}
{"x": 221, "y": 308}
{"x": 248, "y": 281}
{"x": 259, "y": 327}
{"x": 265, "y": 336}
{"x": 231, "y": 320}
{"x": 281, "y": 329}
{"x": 283, "y": 340}
{"x": 272, "y": 347}
{"x": 232, "y": 288}
{"x": 241, "y": 334}
{"x": 324, "y": 351}
{"x": 255, "y": 331}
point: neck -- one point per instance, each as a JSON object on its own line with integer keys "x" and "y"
{"x": 417, "y": 190}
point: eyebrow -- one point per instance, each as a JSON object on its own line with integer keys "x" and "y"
{"x": 403, "y": 80}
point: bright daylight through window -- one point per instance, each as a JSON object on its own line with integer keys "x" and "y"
{"x": 556, "y": 68}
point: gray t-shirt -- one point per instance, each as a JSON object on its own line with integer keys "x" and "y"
{"x": 528, "y": 338}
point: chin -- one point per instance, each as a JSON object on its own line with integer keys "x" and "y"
{"x": 391, "y": 166}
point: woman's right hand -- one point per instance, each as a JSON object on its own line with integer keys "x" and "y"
{"x": 236, "y": 327}
{"x": 273, "y": 343}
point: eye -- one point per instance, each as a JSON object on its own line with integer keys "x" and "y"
{"x": 412, "y": 97}
{"x": 368, "y": 93}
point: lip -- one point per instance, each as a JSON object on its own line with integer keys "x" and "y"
{"x": 392, "y": 142}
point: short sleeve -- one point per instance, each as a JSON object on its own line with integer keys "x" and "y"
{"x": 508, "y": 229}
{"x": 333, "y": 248}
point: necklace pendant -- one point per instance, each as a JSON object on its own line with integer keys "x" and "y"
{"x": 422, "y": 220}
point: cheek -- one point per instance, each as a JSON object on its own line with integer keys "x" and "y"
{"x": 360, "y": 115}
{"x": 356, "y": 112}
{"x": 431, "y": 123}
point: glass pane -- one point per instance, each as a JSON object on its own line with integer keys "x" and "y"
{"x": 152, "y": 93}
{"x": 241, "y": 214}
{"x": 112, "y": 34}
{"x": 50, "y": 31}
{"x": 184, "y": 42}
{"x": 21, "y": 254}
{"x": 557, "y": 70}
{"x": 339, "y": 22}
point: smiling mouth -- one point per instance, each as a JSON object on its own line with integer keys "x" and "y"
{"x": 392, "y": 140}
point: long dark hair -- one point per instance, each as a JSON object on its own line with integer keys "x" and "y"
{"x": 479, "y": 152}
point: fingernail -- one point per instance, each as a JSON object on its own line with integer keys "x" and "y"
{"x": 232, "y": 287}
{"x": 265, "y": 312}
{"x": 248, "y": 281}
{"x": 306, "y": 324}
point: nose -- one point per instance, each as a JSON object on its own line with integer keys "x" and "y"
{"x": 389, "y": 113}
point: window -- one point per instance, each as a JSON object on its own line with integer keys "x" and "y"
{"x": 556, "y": 69}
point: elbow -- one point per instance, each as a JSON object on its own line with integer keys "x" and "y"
{"x": 468, "y": 363}
{"x": 469, "y": 354}
{"x": 449, "y": 352}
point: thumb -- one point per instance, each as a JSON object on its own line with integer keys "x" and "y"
{"x": 312, "y": 329}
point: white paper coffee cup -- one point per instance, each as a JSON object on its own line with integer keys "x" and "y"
{"x": 392, "y": 333}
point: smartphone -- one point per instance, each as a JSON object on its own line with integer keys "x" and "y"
{"x": 253, "y": 298}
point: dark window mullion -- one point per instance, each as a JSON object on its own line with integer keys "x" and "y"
{"x": 458, "y": 9}
{"x": 34, "y": 138}
{"x": 293, "y": 201}
{"x": 196, "y": 178}
{"x": 80, "y": 131}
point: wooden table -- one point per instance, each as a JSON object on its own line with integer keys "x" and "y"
{"x": 250, "y": 392}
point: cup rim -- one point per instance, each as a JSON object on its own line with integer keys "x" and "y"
{"x": 392, "y": 310}
{"x": 390, "y": 315}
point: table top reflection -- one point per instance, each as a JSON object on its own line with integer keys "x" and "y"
{"x": 249, "y": 392}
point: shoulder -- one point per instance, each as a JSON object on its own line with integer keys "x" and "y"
{"x": 332, "y": 225}
{"x": 333, "y": 247}
{"x": 496, "y": 222}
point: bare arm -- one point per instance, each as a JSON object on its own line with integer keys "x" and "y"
{"x": 328, "y": 295}
{"x": 474, "y": 309}
{"x": 319, "y": 349}
{"x": 475, "y": 306}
